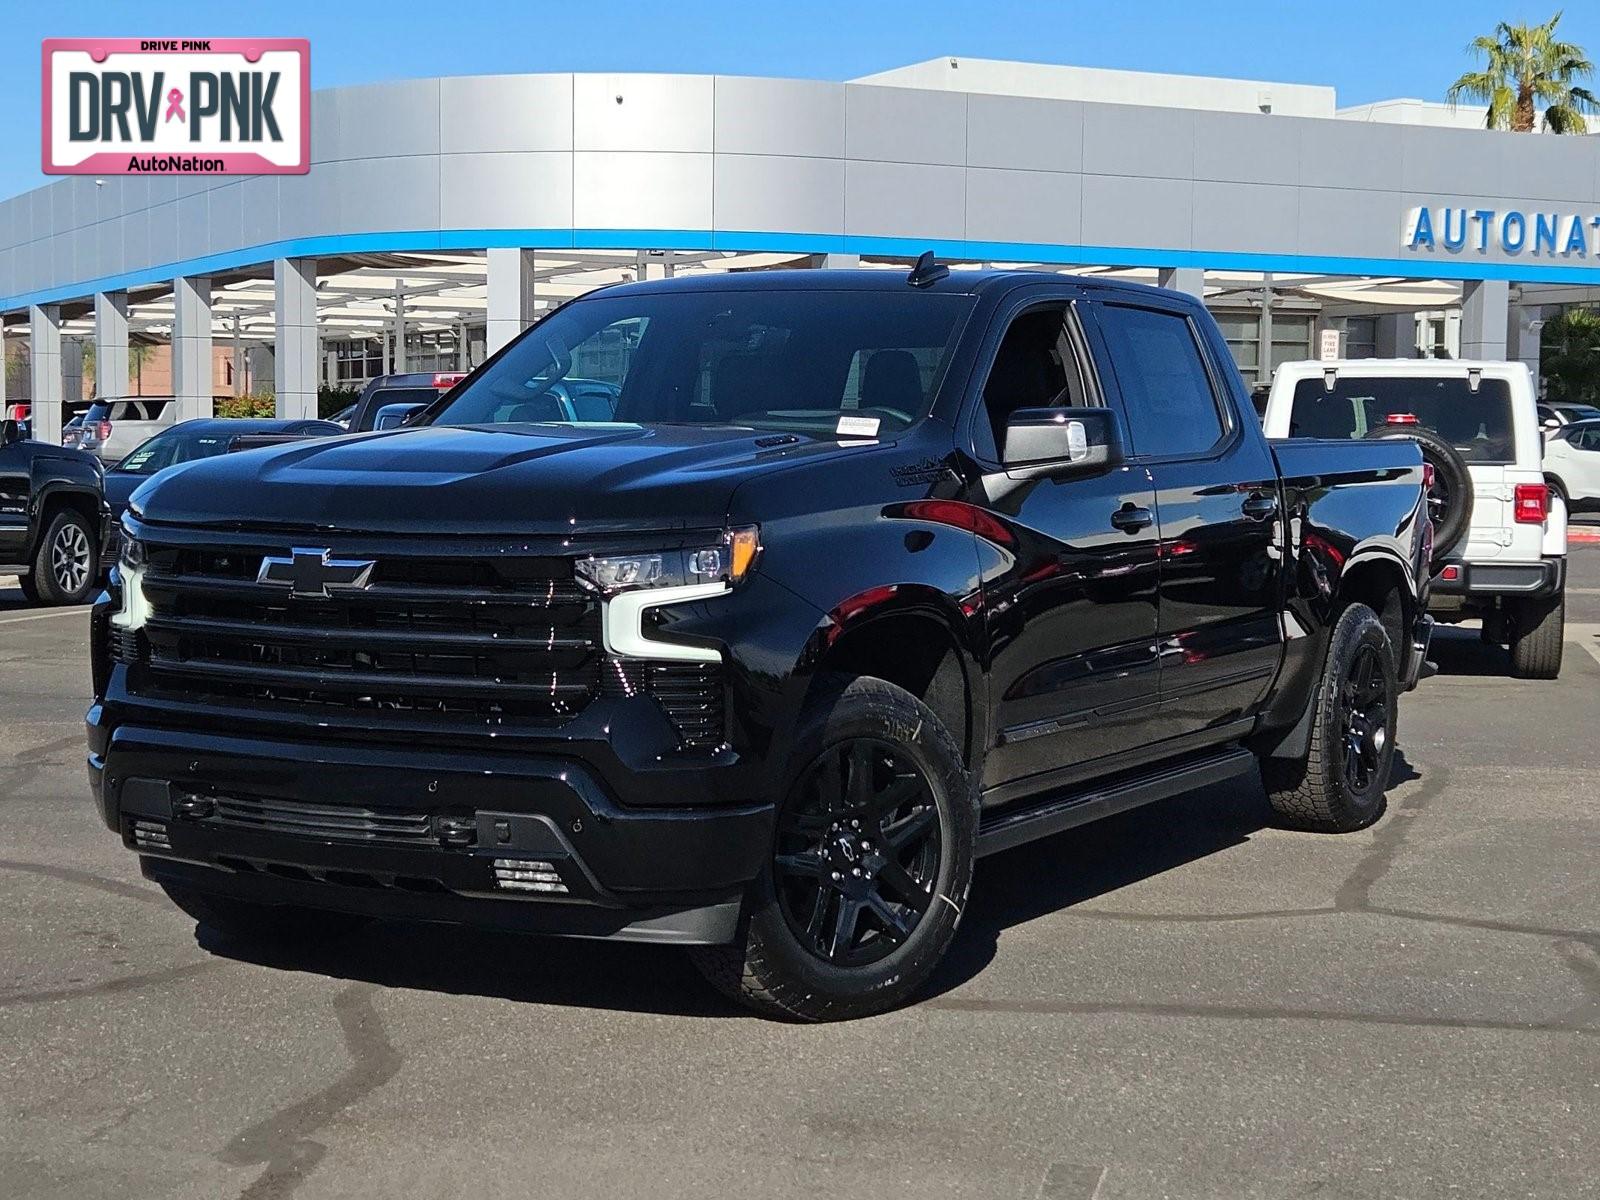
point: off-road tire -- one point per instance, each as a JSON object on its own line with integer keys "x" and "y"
{"x": 1450, "y": 470}
{"x": 767, "y": 968}
{"x": 69, "y": 524}
{"x": 1537, "y": 625}
{"x": 1314, "y": 792}
{"x": 244, "y": 921}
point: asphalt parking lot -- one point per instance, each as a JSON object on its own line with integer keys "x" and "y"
{"x": 1183, "y": 1001}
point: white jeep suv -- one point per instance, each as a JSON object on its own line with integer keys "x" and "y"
{"x": 1500, "y": 540}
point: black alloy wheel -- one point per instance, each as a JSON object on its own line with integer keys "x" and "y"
{"x": 1364, "y": 718}
{"x": 874, "y": 839}
{"x": 857, "y": 852}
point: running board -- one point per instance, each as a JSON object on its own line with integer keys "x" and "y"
{"x": 1058, "y": 812}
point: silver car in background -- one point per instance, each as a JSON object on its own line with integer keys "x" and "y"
{"x": 114, "y": 427}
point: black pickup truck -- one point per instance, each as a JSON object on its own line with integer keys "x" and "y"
{"x": 52, "y": 518}
{"x": 864, "y": 577}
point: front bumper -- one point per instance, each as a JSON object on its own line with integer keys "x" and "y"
{"x": 1458, "y": 577}
{"x": 415, "y": 833}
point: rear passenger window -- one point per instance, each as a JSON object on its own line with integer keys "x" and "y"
{"x": 1165, "y": 385}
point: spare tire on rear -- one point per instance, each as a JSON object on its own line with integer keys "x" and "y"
{"x": 1450, "y": 498}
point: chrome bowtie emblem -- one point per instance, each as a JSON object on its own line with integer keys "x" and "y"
{"x": 315, "y": 573}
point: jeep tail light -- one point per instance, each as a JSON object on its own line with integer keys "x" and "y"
{"x": 1427, "y": 476}
{"x": 1531, "y": 503}
{"x": 1401, "y": 419}
{"x": 102, "y": 430}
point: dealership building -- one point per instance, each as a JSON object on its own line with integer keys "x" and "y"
{"x": 441, "y": 216}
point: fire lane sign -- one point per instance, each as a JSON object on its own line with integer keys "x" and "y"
{"x": 146, "y": 106}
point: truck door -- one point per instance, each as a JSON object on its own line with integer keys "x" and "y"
{"x": 1071, "y": 595}
{"x": 1217, "y": 504}
{"x": 15, "y": 460}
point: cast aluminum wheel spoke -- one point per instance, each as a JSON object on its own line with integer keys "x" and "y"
{"x": 858, "y": 794}
{"x": 844, "y": 926}
{"x": 898, "y": 880}
{"x": 809, "y": 863}
{"x": 894, "y": 924}
{"x": 818, "y": 920}
{"x": 908, "y": 829}
{"x": 905, "y": 788}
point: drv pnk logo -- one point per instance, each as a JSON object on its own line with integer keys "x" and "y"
{"x": 213, "y": 106}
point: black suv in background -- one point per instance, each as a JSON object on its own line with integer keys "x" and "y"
{"x": 860, "y": 577}
{"x": 53, "y": 520}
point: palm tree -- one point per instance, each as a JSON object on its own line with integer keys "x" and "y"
{"x": 1527, "y": 68}
{"x": 138, "y": 352}
{"x": 1569, "y": 355}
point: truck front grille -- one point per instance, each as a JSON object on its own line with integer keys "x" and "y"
{"x": 339, "y": 823}
{"x": 483, "y": 640}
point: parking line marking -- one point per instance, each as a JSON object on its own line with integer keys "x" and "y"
{"x": 45, "y": 616}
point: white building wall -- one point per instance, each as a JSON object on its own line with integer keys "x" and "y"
{"x": 1048, "y": 81}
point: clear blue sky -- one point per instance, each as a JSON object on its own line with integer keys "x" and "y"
{"x": 1367, "y": 49}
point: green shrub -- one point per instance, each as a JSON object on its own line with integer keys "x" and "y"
{"x": 332, "y": 399}
{"x": 257, "y": 404}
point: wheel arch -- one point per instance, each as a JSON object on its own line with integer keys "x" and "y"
{"x": 910, "y": 636}
{"x": 1383, "y": 584}
{"x": 52, "y": 498}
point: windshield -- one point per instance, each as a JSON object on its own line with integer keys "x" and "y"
{"x": 826, "y": 363}
{"x": 173, "y": 447}
{"x": 1477, "y": 424}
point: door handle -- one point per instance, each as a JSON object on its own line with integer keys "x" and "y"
{"x": 1130, "y": 518}
{"x": 1258, "y": 506}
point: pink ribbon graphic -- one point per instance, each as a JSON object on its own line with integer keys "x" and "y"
{"x": 175, "y": 105}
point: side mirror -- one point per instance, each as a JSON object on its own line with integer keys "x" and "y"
{"x": 1550, "y": 423}
{"x": 392, "y": 416}
{"x": 1059, "y": 441}
{"x": 10, "y": 431}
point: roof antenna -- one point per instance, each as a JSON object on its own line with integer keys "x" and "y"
{"x": 927, "y": 271}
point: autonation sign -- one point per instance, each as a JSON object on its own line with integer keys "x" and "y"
{"x": 1541, "y": 234}
{"x": 156, "y": 106}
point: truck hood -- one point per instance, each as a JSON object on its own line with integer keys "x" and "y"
{"x": 518, "y": 480}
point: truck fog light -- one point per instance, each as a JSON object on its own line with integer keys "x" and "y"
{"x": 151, "y": 835}
{"x": 527, "y": 875}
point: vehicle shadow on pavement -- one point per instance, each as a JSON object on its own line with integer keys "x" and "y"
{"x": 1070, "y": 868}
{"x": 506, "y": 966}
{"x": 1463, "y": 652}
{"x": 1009, "y": 889}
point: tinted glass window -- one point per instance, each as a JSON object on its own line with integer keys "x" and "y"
{"x": 1585, "y": 439}
{"x": 790, "y": 360}
{"x": 402, "y": 395}
{"x": 1478, "y": 424}
{"x": 1034, "y": 367}
{"x": 173, "y": 447}
{"x": 1165, "y": 386}
{"x": 126, "y": 410}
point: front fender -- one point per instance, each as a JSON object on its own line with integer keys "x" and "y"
{"x": 45, "y": 490}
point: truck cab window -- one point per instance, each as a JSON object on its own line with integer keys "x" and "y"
{"x": 1166, "y": 388}
{"x": 1033, "y": 368}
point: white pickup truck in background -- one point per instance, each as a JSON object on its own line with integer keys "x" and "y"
{"x": 1500, "y": 540}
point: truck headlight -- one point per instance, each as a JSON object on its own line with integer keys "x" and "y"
{"x": 633, "y": 584}
{"x": 728, "y": 562}
{"x": 132, "y": 554}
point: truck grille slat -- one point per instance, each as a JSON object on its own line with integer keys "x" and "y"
{"x": 487, "y": 640}
{"x": 315, "y": 820}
